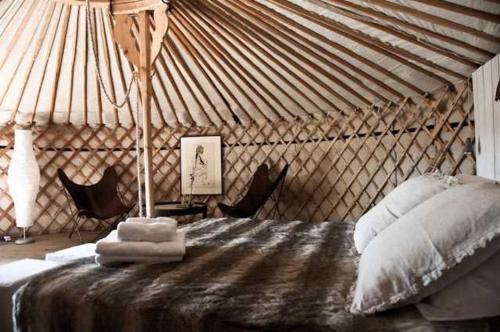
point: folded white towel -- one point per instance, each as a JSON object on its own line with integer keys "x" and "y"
{"x": 113, "y": 247}
{"x": 114, "y": 260}
{"x": 151, "y": 220}
{"x": 152, "y": 232}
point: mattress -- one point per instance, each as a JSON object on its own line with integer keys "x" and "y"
{"x": 237, "y": 275}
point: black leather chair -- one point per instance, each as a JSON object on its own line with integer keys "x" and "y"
{"x": 259, "y": 191}
{"x": 100, "y": 201}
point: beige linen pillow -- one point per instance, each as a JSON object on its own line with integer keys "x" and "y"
{"x": 474, "y": 295}
{"x": 420, "y": 253}
{"x": 398, "y": 202}
{"x": 467, "y": 179}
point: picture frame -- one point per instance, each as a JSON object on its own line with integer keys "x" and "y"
{"x": 201, "y": 165}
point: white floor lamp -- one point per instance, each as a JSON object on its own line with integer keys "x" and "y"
{"x": 24, "y": 180}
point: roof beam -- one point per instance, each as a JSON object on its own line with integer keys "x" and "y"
{"x": 244, "y": 74}
{"x": 60, "y": 55}
{"x": 207, "y": 69}
{"x": 241, "y": 47}
{"x": 426, "y": 32}
{"x": 214, "y": 55}
{"x": 285, "y": 51}
{"x": 52, "y": 35}
{"x": 397, "y": 33}
{"x": 42, "y": 28}
{"x": 72, "y": 69}
{"x": 182, "y": 61}
{"x": 273, "y": 56}
{"x": 263, "y": 16}
{"x": 436, "y": 20}
{"x": 395, "y": 54}
{"x": 351, "y": 54}
{"x": 16, "y": 37}
{"x": 189, "y": 89}
{"x": 468, "y": 11}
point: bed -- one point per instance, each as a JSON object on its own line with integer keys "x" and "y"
{"x": 238, "y": 275}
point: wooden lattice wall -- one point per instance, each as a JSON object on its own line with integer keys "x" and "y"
{"x": 339, "y": 165}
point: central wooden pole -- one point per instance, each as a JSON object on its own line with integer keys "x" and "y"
{"x": 145, "y": 84}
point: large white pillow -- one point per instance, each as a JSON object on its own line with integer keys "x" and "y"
{"x": 398, "y": 202}
{"x": 419, "y": 253}
{"x": 474, "y": 295}
{"x": 467, "y": 179}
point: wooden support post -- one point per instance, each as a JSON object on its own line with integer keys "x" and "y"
{"x": 146, "y": 91}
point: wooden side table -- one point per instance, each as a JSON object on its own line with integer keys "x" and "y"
{"x": 170, "y": 209}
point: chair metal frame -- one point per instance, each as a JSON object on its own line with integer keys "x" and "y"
{"x": 276, "y": 201}
{"x": 278, "y": 182}
{"x": 77, "y": 215}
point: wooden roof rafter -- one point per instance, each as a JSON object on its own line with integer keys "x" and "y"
{"x": 208, "y": 72}
{"x": 397, "y": 22}
{"x": 398, "y": 54}
{"x": 288, "y": 49}
{"x": 495, "y": 18}
{"x": 269, "y": 59}
{"x": 264, "y": 95}
{"x": 320, "y": 51}
{"x": 434, "y": 19}
{"x": 41, "y": 30}
{"x": 229, "y": 61}
{"x": 209, "y": 51}
{"x": 392, "y": 30}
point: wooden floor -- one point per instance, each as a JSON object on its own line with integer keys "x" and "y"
{"x": 42, "y": 245}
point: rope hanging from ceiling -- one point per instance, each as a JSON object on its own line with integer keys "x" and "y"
{"x": 90, "y": 32}
{"x": 122, "y": 103}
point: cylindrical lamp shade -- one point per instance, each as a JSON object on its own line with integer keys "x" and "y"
{"x": 23, "y": 177}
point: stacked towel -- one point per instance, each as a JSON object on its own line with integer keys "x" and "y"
{"x": 156, "y": 230}
{"x": 142, "y": 240}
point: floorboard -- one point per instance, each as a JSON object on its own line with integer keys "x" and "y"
{"x": 43, "y": 244}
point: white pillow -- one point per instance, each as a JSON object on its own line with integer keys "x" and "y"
{"x": 398, "y": 202}
{"x": 467, "y": 178}
{"x": 414, "y": 257}
{"x": 475, "y": 295}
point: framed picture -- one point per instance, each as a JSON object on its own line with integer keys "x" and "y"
{"x": 201, "y": 165}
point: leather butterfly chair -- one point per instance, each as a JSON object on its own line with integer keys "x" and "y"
{"x": 100, "y": 201}
{"x": 259, "y": 191}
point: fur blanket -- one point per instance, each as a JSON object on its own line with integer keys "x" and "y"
{"x": 237, "y": 275}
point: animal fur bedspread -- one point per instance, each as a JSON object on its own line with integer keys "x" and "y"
{"x": 238, "y": 275}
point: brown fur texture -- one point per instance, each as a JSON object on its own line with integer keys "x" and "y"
{"x": 238, "y": 275}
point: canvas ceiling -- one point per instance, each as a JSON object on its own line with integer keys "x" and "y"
{"x": 242, "y": 60}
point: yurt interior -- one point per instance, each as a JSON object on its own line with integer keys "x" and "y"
{"x": 249, "y": 165}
